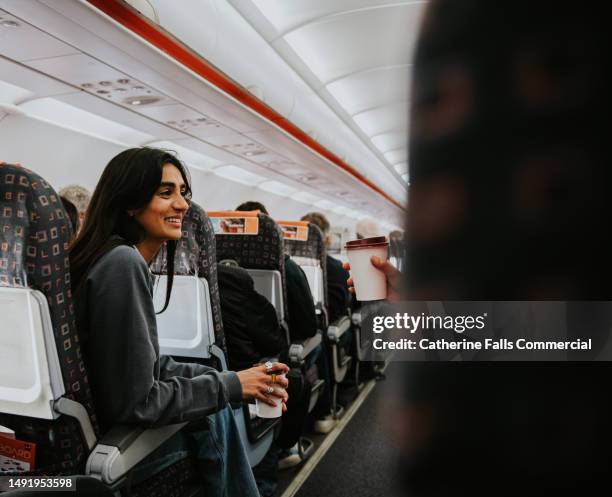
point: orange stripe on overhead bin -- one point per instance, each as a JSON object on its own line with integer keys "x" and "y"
{"x": 132, "y": 20}
{"x": 232, "y": 213}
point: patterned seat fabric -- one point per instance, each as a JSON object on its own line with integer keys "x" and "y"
{"x": 196, "y": 255}
{"x": 261, "y": 251}
{"x": 310, "y": 253}
{"x": 34, "y": 238}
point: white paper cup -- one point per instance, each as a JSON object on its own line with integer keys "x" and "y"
{"x": 266, "y": 411}
{"x": 370, "y": 283}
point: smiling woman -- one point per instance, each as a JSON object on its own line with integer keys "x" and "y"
{"x": 163, "y": 215}
{"x": 137, "y": 191}
{"x": 137, "y": 206}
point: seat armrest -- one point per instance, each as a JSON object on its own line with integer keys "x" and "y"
{"x": 338, "y": 328}
{"x": 298, "y": 351}
{"x": 121, "y": 436}
{"x": 123, "y": 447}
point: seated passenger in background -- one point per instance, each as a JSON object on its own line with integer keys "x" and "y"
{"x": 367, "y": 228}
{"x": 302, "y": 318}
{"x": 73, "y": 215}
{"x": 139, "y": 204}
{"x": 252, "y": 331}
{"x": 80, "y": 197}
{"x": 337, "y": 289}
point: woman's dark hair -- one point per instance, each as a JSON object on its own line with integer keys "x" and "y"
{"x": 128, "y": 182}
{"x": 73, "y": 215}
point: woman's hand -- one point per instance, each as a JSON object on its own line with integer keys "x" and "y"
{"x": 257, "y": 383}
{"x": 394, "y": 278}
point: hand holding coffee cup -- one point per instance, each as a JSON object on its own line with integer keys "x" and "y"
{"x": 256, "y": 383}
{"x": 277, "y": 386}
{"x": 394, "y": 279}
{"x": 369, "y": 282}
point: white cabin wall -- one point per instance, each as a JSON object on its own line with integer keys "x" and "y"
{"x": 64, "y": 156}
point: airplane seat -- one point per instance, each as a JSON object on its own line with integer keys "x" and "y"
{"x": 261, "y": 253}
{"x": 39, "y": 330}
{"x": 311, "y": 254}
{"x": 198, "y": 335}
{"x": 45, "y": 398}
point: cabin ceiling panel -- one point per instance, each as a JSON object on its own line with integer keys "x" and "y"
{"x": 287, "y": 15}
{"x": 376, "y": 121}
{"x": 193, "y": 158}
{"x": 240, "y": 145}
{"x": 187, "y": 120}
{"x": 356, "y": 55}
{"x": 11, "y": 94}
{"x": 20, "y": 41}
{"x": 126, "y": 53}
{"x": 397, "y": 156}
{"x": 110, "y": 54}
{"x": 119, "y": 114}
{"x": 35, "y": 83}
{"x": 55, "y": 111}
{"x": 356, "y": 41}
{"x": 391, "y": 140}
{"x": 213, "y": 152}
{"x": 401, "y": 167}
{"x": 99, "y": 79}
{"x": 283, "y": 145}
{"x": 293, "y": 152}
{"x": 372, "y": 88}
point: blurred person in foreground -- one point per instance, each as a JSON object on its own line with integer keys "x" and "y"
{"x": 510, "y": 171}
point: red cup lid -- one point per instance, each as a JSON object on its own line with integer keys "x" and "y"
{"x": 374, "y": 241}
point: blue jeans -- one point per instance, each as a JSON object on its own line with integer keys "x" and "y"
{"x": 220, "y": 455}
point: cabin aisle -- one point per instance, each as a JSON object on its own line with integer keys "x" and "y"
{"x": 360, "y": 463}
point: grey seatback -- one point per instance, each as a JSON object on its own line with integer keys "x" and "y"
{"x": 270, "y": 284}
{"x": 310, "y": 253}
{"x": 196, "y": 255}
{"x": 30, "y": 373}
{"x": 186, "y": 327}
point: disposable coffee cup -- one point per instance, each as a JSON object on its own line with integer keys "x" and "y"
{"x": 266, "y": 411}
{"x": 370, "y": 283}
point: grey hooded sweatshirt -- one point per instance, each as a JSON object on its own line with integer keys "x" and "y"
{"x": 131, "y": 383}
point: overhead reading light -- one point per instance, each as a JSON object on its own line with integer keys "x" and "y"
{"x": 277, "y": 188}
{"x": 141, "y": 100}
{"x": 251, "y": 153}
{"x": 239, "y": 175}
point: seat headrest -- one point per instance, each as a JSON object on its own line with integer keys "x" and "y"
{"x": 263, "y": 250}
